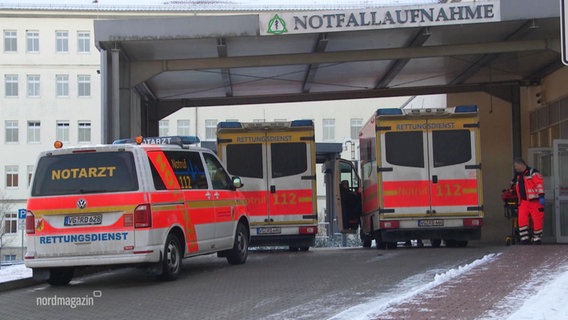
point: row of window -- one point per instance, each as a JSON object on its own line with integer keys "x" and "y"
{"x": 11, "y": 85}
{"x": 12, "y": 131}
{"x": 61, "y": 41}
{"x": 328, "y": 126}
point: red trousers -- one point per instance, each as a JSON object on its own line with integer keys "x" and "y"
{"x": 533, "y": 209}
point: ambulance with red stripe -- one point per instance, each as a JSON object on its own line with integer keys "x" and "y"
{"x": 132, "y": 204}
{"x": 421, "y": 176}
{"x": 276, "y": 162}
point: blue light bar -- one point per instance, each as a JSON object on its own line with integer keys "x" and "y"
{"x": 302, "y": 123}
{"x": 389, "y": 112}
{"x": 466, "y": 109}
{"x": 229, "y": 125}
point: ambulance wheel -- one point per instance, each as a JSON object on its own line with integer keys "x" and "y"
{"x": 392, "y": 245}
{"x": 450, "y": 243}
{"x": 60, "y": 276}
{"x": 171, "y": 261}
{"x": 239, "y": 253}
{"x": 381, "y": 245}
{"x": 293, "y": 248}
{"x": 461, "y": 244}
{"x": 304, "y": 249}
{"x": 436, "y": 243}
{"x": 365, "y": 239}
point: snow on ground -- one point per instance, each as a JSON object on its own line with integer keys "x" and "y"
{"x": 545, "y": 296}
{"x": 382, "y": 303}
{"x": 14, "y": 272}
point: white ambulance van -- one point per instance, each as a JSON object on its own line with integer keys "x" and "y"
{"x": 276, "y": 162}
{"x": 132, "y": 204}
{"x": 421, "y": 176}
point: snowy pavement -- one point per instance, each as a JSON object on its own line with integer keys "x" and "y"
{"x": 14, "y": 272}
{"x": 517, "y": 284}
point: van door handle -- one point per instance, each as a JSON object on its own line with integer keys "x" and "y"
{"x": 208, "y": 196}
{"x": 216, "y": 195}
{"x": 434, "y": 179}
{"x": 272, "y": 189}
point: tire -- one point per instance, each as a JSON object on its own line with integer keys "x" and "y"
{"x": 293, "y": 248}
{"x": 450, "y": 243}
{"x": 171, "y": 261}
{"x": 379, "y": 241}
{"x": 239, "y": 253}
{"x": 366, "y": 240}
{"x": 60, "y": 276}
{"x": 304, "y": 249}
{"x": 436, "y": 243}
{"x": 392, "y": 245}
{"x": 461, "y": 244}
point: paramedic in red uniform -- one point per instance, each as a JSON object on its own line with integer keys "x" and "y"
{"x": 529, "y": 184}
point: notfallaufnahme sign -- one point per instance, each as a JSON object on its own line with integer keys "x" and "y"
{"x": 380, "y": 18}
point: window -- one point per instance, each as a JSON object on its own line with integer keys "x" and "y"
{"x": 164, "y": 128}
{"x": 9, "y": 257}
{"x": 12, "y": 130}
{"x": 210, "y": 129}
{"x": 10, "y": 222}
{"x": 220, "y": 180}
{"x": 30, "y": 174}
{"x": 328, "y": 129}
{"x": 62, "y": 131}
{"x": 61, "y": 41}
{"x": 33, "y": 85}
{"x": 245, "y": 160}
{"x": 451, "y": 147}
{"x": 84, "y": 85}
{"x": 32, "y": 41}
{"x": 11, "y": 85}
{"x": 356, "y": 125}
{"x": 84, "y": 131}
{"x": 405, "y": 148}
{"x": 288, "y": 159}
{"x": 11, "y": 176}
{"x": 183, "y": 127}
{"x": 54, "y": 174}
{"x": 10, "y": 41}
{"x": 34, "y": 128}
{"x": 84, "y": 41}
{"x": 188, "y": 169}
{"x": 62, "y": 85}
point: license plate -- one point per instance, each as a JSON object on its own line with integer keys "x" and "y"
{"x": 431, "y": 223}
{"x": 268, "y": 230}
{"x": 85, "y": 220}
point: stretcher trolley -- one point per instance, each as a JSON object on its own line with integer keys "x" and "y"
{"x": 511, "y": 212}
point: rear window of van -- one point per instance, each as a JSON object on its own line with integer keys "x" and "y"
{"x": 81, "y": 173}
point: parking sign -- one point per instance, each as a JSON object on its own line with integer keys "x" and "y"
{"x": 22, "y": 213}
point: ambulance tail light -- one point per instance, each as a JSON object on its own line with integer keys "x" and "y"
{"x": 473, "y": 222}
{"x": 308, "y": 230}
{"x": 143, "y": 216}
{"x": 30, "y": 223}
{"x": 394, "y": 224}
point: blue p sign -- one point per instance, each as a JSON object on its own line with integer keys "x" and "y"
{"x": 22, "y": 213}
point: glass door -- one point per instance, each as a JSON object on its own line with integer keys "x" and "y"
{"x": 560, "y": 156}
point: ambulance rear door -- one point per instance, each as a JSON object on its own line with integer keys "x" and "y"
{"x": 291, "y": 175}
{"x": 403, "y": 166}
{"x": 455, "y": 170}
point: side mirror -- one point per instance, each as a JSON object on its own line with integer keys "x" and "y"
{"x": 237, "y": 182}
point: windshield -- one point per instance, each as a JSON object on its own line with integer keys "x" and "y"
{"x": 80, "y": 173}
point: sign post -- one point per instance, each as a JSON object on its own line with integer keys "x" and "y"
{"x": 564, "y": 30}
{"x": 22, "y": 225}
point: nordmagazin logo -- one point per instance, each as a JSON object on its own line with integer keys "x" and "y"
{"x": 380, "y": 18}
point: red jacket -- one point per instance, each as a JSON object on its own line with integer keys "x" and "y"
{"x": 533, "y": 183}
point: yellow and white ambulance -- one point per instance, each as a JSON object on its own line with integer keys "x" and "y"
{"x": 421, "y": 176}
{"x": 132, "y": 204}
{"x": 276, "y": 162}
